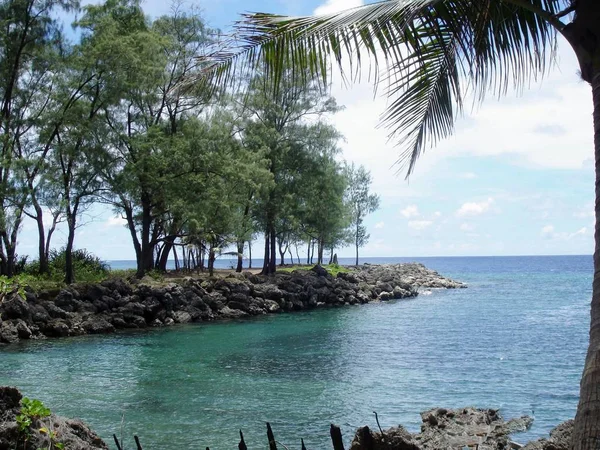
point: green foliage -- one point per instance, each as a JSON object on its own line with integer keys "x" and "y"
{"x": 333, "y": 269}
{"x": 31, "y": 410}
{"x": 87, "y": 267}
{"x": 13, "y": 285}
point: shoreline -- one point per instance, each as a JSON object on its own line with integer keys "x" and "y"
{"x": 441, "y": 428}
{"x": 116, "y": 304}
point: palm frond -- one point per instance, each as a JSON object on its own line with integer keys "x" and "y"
{"x": 432, "y": 55}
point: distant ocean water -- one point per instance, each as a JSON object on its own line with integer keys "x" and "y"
{"x": 515, "y": 340}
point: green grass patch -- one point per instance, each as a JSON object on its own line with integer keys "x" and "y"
{"x": 333, "y": 269}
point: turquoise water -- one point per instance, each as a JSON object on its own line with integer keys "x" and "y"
{"x": 514, "y": 340}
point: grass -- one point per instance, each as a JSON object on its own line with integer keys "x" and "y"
{"x": 333, "y": 269}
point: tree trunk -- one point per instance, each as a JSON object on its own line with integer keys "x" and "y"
{"x": 249, "y": 254}
{"x": 211, "y": 260}
{"x": 240, "y": 257}
{"x": 281, "y": 254}
{"x": 71, "y": 222}
{"x": 308, "y": 252}
{"x": 586, "y": 434}
{"x": 320, "y": 251}
{"x": 356, "y": 240}
{"x": 273, "y": 257}
{"x": 265, "y": 269}
{"x": 42, "y": 255}
{"x": 147, "y": 251}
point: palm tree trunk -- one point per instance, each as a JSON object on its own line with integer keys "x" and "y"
{"x": 586, "y": 435}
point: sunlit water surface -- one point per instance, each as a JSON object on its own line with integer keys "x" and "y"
{"x": 515, "y": 340}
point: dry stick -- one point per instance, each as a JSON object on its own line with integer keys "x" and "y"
{"x": 303, "y": 446}
{"x": 336, "y": 437}
{"x": 117, "y": 442}
{"x": 137, "y": 442}
{"x": 242, "y": 444}
{"x": 271, "y": 437}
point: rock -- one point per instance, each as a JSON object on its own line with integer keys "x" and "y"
{"x": 56, "y": 328}
{"x": 8, "y": 332}
{"x": 15, "y": 308}
{"x": 560, "y": 439}
{"x": 182, "y": 317}
{"x": 320, "y": 271}
{"x": 97, "y": 325}
{"x": 229, "y": 313}
{"x": 23, "y": 330}
{"x": 396, "y": 438}
{"x": 71, "y": 433}
{"x": 117, "y": 304}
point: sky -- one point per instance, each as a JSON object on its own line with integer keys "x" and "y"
{"x": 516, "y": 178}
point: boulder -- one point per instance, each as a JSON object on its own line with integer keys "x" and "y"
{"x": 8, "y": 332}
{"x": 73, "y": 434}
{"x": 97, "y": 325}
{"x": 182, "y": 317}
{"x": 15, "y": 307}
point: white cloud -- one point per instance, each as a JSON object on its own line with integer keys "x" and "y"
{"x": 467, "y": 227}
{"x": 380, "y": 225}
{"x": 410, "y": 211}
{"x": 548, "y": 231}
{"x": 586, "y": 212}
{"x": 474, "y": 208}
{"x": 437, "y": 214}
{"x": 467, "y": 176}
{"x": 419, "y": 225}
{"x": 333, "y": 6}
{"x": 115, "y": 222}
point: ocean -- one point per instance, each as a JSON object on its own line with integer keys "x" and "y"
{"x": 515, "y": 340}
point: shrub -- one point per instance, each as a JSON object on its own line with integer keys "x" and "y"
{"x": 86, "y": 266}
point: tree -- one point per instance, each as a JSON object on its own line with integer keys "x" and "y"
{"x": 276, "y": 129}
{"x": 361, "y": 203}
{"x": 31, "y": 48}
{"x": 432, "y": 54}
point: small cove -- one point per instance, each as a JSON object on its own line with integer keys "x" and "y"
{"x": 515, "y": 340}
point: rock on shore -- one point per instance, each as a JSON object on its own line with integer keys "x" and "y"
{"x": 442, "y": 429}
{"x": 116, "y": 304}
{"x": 73, "y": 434}
{"x": 483, "y": 429}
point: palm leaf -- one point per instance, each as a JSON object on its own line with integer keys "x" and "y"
{"x": 431, "y": 55}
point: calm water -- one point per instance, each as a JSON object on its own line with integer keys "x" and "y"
{"x": 514, "y": 340}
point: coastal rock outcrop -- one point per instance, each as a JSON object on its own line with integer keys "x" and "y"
{"x": 51, "y": 431}
{"x": 116, "y": 304}
{"x": 447, "y": 429}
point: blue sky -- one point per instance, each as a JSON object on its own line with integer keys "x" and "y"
{"x": 517, "y": 177}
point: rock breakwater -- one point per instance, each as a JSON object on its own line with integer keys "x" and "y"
{"x": 116, "y": 304}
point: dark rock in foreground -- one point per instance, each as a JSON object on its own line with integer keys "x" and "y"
{"x": 73, "y": 434}
{"x": 115, "y": 304}
{"x": 451, "y": 429}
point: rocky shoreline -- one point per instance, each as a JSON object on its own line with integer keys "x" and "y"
{"x": 483, "y": 429}
{"x": 117, "y": 304}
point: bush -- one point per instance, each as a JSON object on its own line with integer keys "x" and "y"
{"x": 86, "y": 266}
